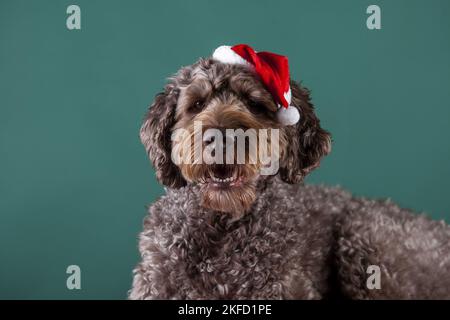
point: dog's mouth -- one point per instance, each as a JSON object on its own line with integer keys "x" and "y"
{"x": 222, "y": 177}
{"x": 224, "y": 183}
{"x": 227, "y": 188}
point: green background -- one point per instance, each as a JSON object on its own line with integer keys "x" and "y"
{"x": 74, "y": 179}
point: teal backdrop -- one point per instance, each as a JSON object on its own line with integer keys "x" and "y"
{"x": 74, "y": 178}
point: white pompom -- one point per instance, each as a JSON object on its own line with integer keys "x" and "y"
{"x": 289, "y": 116}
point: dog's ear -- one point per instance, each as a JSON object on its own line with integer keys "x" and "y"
{"x": 307, "y": 141}
{"x": 156, "y": 133}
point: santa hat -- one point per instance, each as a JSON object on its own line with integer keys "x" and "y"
{"x": 273, "y": 70}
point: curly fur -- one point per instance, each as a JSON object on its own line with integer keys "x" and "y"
{"x": 299, "y": 242}
{"x": 292, "y": 241}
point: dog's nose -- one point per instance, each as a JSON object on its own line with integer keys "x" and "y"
{"x": 209, "y": 137}
{"x": 212, "y": 136}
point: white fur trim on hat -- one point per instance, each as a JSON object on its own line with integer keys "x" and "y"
{"x": 225, "y": 54}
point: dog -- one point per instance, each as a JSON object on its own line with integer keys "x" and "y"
{"x": 226, "y": 231}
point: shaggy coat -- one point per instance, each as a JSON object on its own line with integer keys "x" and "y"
{"x": 273, "y": 237}
{"x": 298, "y": 242}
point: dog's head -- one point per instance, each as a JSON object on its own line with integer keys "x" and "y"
{"x": 192, "y": 127}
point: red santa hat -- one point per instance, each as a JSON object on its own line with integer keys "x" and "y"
{"x": 273, "y": 70}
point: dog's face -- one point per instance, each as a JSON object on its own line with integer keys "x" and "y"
{"x": 215, "y": 126}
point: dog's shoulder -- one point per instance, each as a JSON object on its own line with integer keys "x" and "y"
{"x": 307, "y": 197}
{"x": 332, "y": 199}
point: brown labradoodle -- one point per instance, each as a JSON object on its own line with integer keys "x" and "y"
{"x": 228, "y": 232}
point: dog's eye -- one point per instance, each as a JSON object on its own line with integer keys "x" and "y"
{"x": 198, "y": 105}
{"x": 256, "y": 107}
